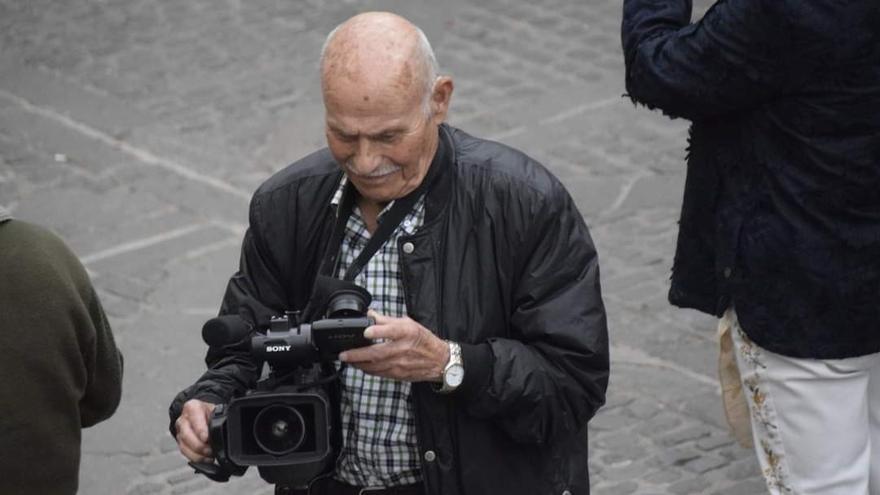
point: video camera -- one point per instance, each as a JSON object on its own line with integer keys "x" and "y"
{"x": 284, "y": 426}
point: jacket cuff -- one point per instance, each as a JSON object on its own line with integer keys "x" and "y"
{"x": 478, "y": 361}
{"x": 176, "y": 407}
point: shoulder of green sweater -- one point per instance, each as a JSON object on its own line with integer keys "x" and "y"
{"x": 41, "y": 251}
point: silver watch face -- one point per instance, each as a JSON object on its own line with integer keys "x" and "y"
{"x": 454, "y": 375}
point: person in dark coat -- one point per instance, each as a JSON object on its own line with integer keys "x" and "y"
{"x": 60, "y": 371}
{"x": 780, "y": 224}
{"x": 494, "y": 352}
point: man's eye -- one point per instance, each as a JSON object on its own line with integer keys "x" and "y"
{"x": 387, "y": 138}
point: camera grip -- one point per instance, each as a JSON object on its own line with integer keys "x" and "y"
{"x": 213, "y": 471}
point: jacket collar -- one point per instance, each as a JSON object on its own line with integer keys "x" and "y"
{"x": 437, "y": 197}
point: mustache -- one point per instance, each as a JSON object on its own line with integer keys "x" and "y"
{"x": 384, "y": 168}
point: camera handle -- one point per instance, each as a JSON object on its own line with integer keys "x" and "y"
{"x": 221, "y": 468}
{"x": 213, "y": 471}
{"x": 273, "y": 382}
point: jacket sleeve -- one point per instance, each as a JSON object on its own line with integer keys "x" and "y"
{"x": 548, "y": 378}
{"x": 731, "y": 60}
{"x": 255, "y": 293}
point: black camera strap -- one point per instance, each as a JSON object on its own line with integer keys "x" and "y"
{"x": 388, "y": 222}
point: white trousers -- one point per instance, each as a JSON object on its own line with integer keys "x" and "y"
{"x": 815, "y": 423}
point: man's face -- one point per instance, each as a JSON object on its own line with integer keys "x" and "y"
{"x": 382, "y": 139}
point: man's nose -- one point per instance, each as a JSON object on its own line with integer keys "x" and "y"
{"x": 365, "y": 158}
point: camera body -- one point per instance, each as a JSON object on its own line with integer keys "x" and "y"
{"x": 284, "y": 426}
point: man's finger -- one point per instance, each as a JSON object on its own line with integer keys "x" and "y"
{"x": 375, "y": 352}
{"x": 187, "y": 437}
{"x": 380, "y": 319}
{"x": 191, "y": 454}
{"x": 397, "y": 330}
{"x": 200, "y": 428}
{"x": 380, "y": 331}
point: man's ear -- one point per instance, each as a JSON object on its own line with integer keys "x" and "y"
{"x": 440, "y": 98}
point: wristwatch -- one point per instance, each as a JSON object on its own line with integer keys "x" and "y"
{"x": 453, "y": 372}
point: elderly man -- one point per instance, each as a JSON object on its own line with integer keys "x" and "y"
{"x": 492, "y": 352}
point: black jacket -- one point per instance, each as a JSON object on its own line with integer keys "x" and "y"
{"x": 504, "y": 264}
{"x": 781, "y": 213}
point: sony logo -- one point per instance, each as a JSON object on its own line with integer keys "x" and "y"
{"x": 277, "y": 348}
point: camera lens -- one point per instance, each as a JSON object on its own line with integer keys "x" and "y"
{"x": 346, "y": 304}
{"x": 279, "y": 429}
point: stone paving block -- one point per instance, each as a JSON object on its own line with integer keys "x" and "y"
{"x": 706, "y": 463}
{"x": 593, "y": 196}
{"x": 181, "y": 477}
{"x": 611, "y": 422}
{"x": 684, "y": 435}
{"x": 615, "y": 399}
{"x": 659, "y": 424}
{"x": 193, "y": 486}
{"x": 674, "y": 457}
{"x": 642, "y": 292}
{"x": 622, "y": 282}
{"x": 624, "y": 488}
{"x": 124, "y": 287}
{"x": 742, "y": 469}
{"x": 663, "y": 476}
{"x": 146, "y": 488}
{"x": 655, "y": 191}
{"x": 167, "y": 444}
{"x": 162, "y": 464}
{"x": 713, "y": 442}
{"x": 705, "y": 405}
{"x": 615, "y": 441}
{"x": 688, "y": 487}
{"x": 749, "y": 487}
{"x": 624, "y": 471}
{"x": 737, "y": 452}
{"x": 115, "y": 306}
{"x": 626, "y": 454}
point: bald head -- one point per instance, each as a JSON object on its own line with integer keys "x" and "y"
{"x": 379, "y": 51}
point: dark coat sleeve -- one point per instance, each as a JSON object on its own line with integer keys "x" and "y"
{"x": 549, "y": 378}
{"x": 733, "y": 59}
{"x": 256, "y": 294}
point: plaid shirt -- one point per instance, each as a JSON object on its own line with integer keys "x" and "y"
{"x": 379, "y": 439}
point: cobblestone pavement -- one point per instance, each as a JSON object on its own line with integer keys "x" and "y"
{"x": 137, "y": 129}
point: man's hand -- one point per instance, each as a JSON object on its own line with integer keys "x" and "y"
{"x": 409, "y": 351}
{"x": 192, "y": 430}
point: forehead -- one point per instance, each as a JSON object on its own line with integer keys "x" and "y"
{"x": 352, "y": 106}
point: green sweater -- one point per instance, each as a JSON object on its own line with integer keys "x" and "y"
{"x": 60, "y": 369}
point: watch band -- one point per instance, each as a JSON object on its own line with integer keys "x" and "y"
{"x": 453, "y": 372}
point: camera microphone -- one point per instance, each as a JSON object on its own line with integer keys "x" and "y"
{"x": 225, "y": 330}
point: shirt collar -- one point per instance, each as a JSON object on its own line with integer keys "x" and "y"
{"x": 409, "y": 224}
{"x": 337, "y": 198}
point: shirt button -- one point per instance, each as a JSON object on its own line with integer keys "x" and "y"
{"x": 430, "y": 456}
{"x": 727, "y": 272}
{"x": 566, "y": 492}
{"x": 408, "y": 247}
